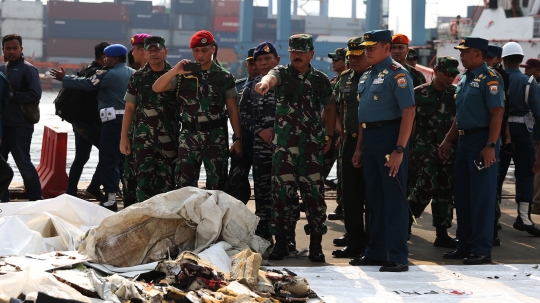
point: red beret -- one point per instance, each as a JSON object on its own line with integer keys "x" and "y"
{"x": 201, "y": 38}
{"x": 400, "y": 39}
{"x": 139, "y": 38}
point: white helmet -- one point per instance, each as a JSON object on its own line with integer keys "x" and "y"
{"x": 512, "y": 48}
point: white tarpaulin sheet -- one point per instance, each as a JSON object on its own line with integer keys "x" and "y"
{"x": 425, "y": 283}
{"x": 46, "y": 225}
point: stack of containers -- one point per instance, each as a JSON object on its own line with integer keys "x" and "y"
{"x": 26, "y": 19}
{"x": 74, "y": 28}
{"x": 187, "y": 17}
{"x": 264, "y": 28}
{"x": 142, "y": 19}
{"x": 226, "y": 27}
{"x": 347, "y": 27}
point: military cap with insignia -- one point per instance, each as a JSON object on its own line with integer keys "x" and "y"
{"x": 494, "y": 50}
{"x": 376, "y": 36}
{"x": 139, "y": 38}
{"x": 250, "y": 53}
{"x": 355, "y": 47}
{"x": 300, "y": 43}
{"x": 156, "y": 41}
{"x": 115, "y": 50}
{"x": 412, "y": 54}
{"x": 201, "y": 38}
{"x": 338, "y": 54}
{"x": 473, "y": 42}
{"x": 447, "y": 64}
{"x": 264, "y": 48}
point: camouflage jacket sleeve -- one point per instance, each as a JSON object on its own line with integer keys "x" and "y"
{"x": 246, "y": 110}
{"x": 328, "y": 93}
{"x": 131, "y": 93}
{"x": 230, "y": 87}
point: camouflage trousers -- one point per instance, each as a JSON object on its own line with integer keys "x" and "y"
{"x": 291, "y": 172}
{"x": 328, "y": 164}
{"x": 197, "y": 147}
{"x": 434, "y": 183}
{"x": 129, "y": 187}
{"x": 262, "y": 170}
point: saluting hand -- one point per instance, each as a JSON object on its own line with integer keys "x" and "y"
{"x": 262, "y": 88}
{"x": 443, "y": 150}
{"x": 394, "y": 162}
{"x": 58, "y": 74}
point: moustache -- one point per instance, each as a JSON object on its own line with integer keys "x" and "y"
{"x": 297, "y": 60}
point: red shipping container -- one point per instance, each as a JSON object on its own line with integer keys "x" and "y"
{"x": 87, "y": 11}
{"x": 226, "y": 7}
{"x": 59, "y": 47}
{"x": 226, "y": 24}
{"x": 159, "y": 9}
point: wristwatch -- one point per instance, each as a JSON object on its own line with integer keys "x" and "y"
{"x": 326, "y": 138}
{"x": 400, "y": 149}
{"x": 234, "y": 139}
{"x": 491, "y": 144}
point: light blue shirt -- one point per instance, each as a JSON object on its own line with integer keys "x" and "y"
{"x": 516, "y": 97}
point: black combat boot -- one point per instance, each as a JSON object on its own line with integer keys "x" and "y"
{"x": 280, "y": 250}
{"x": 443, "y": 239}
{"x": 315, "y": 249}
{"x": 291, "y": 237}
{"x": 524, "y": 222}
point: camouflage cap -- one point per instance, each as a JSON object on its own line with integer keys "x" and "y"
{"x": 412, "y": 54}
{"x": 355, "y": 47}
{"x": 156, "y": 41}
{"x": 447, "y": 64}
{"x": 339, "y": 54}
{"x": 301, "y": 43}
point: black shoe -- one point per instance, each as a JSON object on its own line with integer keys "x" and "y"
{"x": 497, "y": 241}
{"x": 365, "y": 261}
{"x": 291, "y": 238}
{"x": 474, "y": 259}
{"x": 498, "y": 226}
{"x": 280, "y": 250}
{"x": 302, "y": 207}
{"x": 394, "y": 267}
{"x": 331, "y": 183}
{"x": 456, "y": 254}
{"x": 531, "y": 229}
{"x": 341, "y": 241}
{"x": 337, "y": 214}
{"x": 447, "y": 242}
{"x": 315, "y": 249}
{"x": 96, "y": 194}
{"x": 113, "y": 207}
{"x": 347, "y": 253}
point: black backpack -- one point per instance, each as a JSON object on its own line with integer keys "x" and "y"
{"x": 74, "y": 105}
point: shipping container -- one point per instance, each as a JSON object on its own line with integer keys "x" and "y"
{"x": 22, "y": 10}
{"x": 138, "y": 7}
{"x": 260, "y": 12}
{"x": 298, "y": 26}
{"x": 116, "y": 12}
{"x": 346, "y": 33}
{"x": 191, "y": 7}
{"x": 317, "y": 22}
{"x": 157, "y": 21}
{"x": 226, "y": 7}
{"x": 227, "y": 55}
{"x": 71, "y": 60}
{"x": 166, "y": 34}
{"x": 27, "y": 29}
{"x": 177, "y": 53}
{"x": 181, "y": 38}
{"x": 192, "y": 22}
{"x": 159, "y": 9}
{"x": 79, "y": 48}
{"x": 33, "y": 48}
{"x": 317, "y": 30}
{"x": 83, "y": 29}
{"x": 264, "y": 26}
{"x": 225, "y": 39}
{"x": 226, "y": 24}
{"x": 347, "y": 23}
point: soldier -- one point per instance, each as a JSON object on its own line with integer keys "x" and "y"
{"x": 137, "y": 49}
{"x": 412, "y": 57}
{"x": 152, "y": 117}
{"x": 111, "y": 83}
{"x": 299, "y": 143}
{"x": 400, "y": 49}
{"x": 339, "y": 66}
{"x": 479, "y": 112}
{"x": 385, "y": 116}
{"x": 247, "y": 136}
{"x": 523, "y": 104}
{"x": 352, "y": 178}
{"x": 6, "y": 173}
{"x": 435, "y": 112}
{"x": 203, "y": 95}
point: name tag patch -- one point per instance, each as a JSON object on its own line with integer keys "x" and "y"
{"x": 474, "y": 84}
{"x": 378, "y": 81}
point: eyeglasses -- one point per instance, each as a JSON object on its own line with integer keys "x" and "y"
{"x": 448, "y": 74}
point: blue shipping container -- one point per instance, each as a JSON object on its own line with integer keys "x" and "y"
{"x": 264, "y": 26}
{"x": 83, "y": 29}
{"x": 138, "y": 7}
{"x": 298, "y": 26}
{"x": 155, "y": 21}
{"x": 191, "y": 7}
{"x": 177, "y": 53}
{"x": 260, "y": 12}
{"x": 226, "y": 40}
{"x": 191, "y": 22}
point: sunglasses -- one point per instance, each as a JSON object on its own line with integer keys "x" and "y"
{"x": 448, "y": 74}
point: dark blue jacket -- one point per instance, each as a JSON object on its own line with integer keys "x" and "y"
{"x": 24, "y": 78}
{"x": 4, "y": 97}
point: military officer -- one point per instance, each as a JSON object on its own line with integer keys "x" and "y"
{"x": 353, "y": 182}
{"x": 400, "y": 49}
{"x": 435, "y": 112}
{"x": 479, "y": 111}
{"x": 299, "y": 143}
{"x": 385, "y": 115}
{"x": 412, "y": 57}
{"x": 523, "y": 104}
{"x": 153, "y": 119}
{"x": 247, "y": 137}
{"x": 204, "y": 96}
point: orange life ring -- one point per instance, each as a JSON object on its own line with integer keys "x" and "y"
{"x": 454, "y": 29}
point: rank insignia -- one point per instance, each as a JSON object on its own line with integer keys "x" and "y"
{"x": 375, "y": 98}
{"x": 266, "y": 48}
{"x": 401, "y": 82}
{"x": 203, "y": 40}
{"x": 393, "y": 66}
{"x": 477, "y": 79}
{"x": 493, "y": 89}
{"x": 385, "y": 72}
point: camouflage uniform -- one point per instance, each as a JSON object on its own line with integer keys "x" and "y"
{"x": 417, "y": 76}
{"x": 203, "y": 138}
{"x": 435, "y": 112}
{"x": 298, "y": 146}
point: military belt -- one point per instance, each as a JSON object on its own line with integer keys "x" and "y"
{"x": 463, "y": 132}
{"x": 208, "y": 125}
{"x": 380, "y": 123}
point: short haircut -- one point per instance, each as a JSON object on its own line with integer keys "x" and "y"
{"x": 122, "y": 59}
{"x": 138, "y": 46}
{"x": 99, "y": 48}
{"x": 131, "y": 60}
{"x": 11, "y": 37}
{"x": 513, "y": 59}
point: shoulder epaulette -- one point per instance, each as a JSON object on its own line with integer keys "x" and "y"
{"x": 491, "y": 73}
{"x": 347, "y": 71}
{"x": 238, "y": 81}
{"x": 394, "y": 66}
